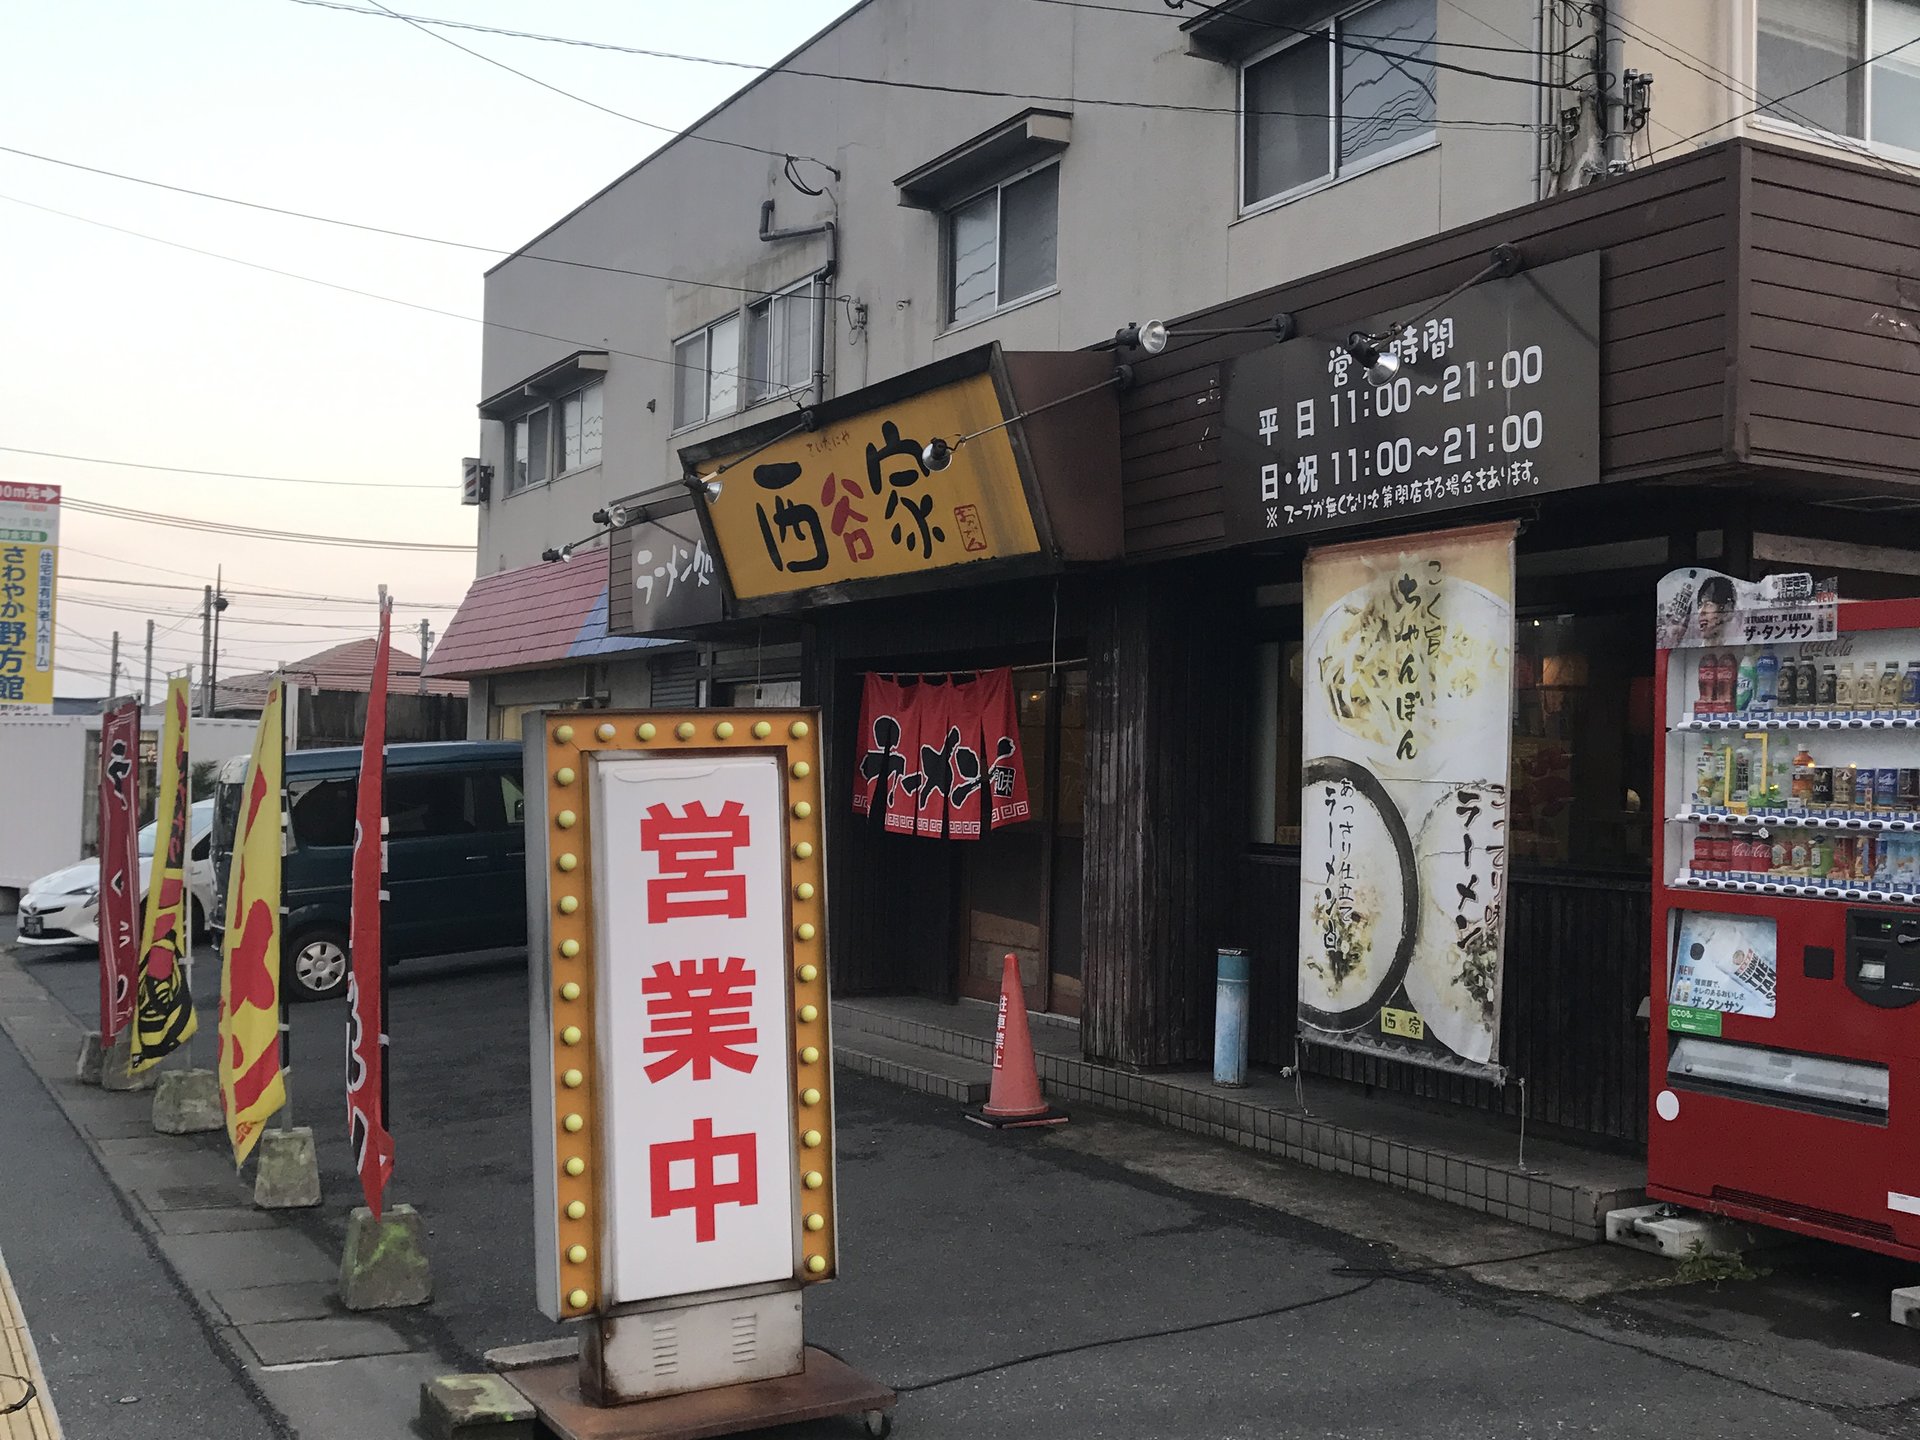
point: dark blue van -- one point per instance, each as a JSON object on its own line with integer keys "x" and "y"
{"x": 456, "y": 847}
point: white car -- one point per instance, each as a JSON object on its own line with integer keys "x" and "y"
{"x": 64, "y": 908}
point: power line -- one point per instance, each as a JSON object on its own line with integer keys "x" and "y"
{"x": 253, "y": 589}
{"x": 939, "y": 89}
{"x": 345, "y": 629}
{"x": 1755, "y": 110}
{"x": 1747, "y": 95}
{"x": 368, "y": 229}
{"x": 598, "y": 345}
{"x": 218, "y": 474}
{"x": 254, "y": 532}
{"x": 593, "y": 104}
{"x": 253, "y": 594}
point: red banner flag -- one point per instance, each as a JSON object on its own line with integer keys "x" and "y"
{"x": 1006, "y": 772}
{"x": 366, "y": 988}
{"x": 119, "y": 894}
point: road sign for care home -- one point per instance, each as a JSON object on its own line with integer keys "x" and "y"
{"x": 29, "y": 567}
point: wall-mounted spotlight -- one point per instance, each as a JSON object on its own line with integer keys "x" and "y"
{"x": 936, "y": 454}
{"x": 1150, "y": 338}
{"x": 1380, "y": 363}
{"x": 558, "y": 553}
{"x": 712, "y": 488}
{"x": 614, "y": 517}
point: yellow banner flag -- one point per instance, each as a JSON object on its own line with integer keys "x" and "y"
{"x": 163, "y": 1017}
{"x": 251, "y": 1084}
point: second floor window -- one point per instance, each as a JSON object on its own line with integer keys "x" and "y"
{"x": 559, "y": 436}
{"x": 1002, "y": 245}
{"x": 1810, "y": 53}
{"x": 1313, "y": 109}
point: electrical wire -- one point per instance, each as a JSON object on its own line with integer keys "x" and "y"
{"x": 593, "y": 104}
{"x": 595, "y": 345}
{"x": 16, "y": 1406}
{"x": 218, "y": 474}
{"x": 1860, "y": 64}
{"x": 1340, "y": 39}
{"x": 939, "y": 89}
{"x": 251, "y": 594}
{"x": 1748, "y": 95}
{"x": 253, "y": 532}
{"x": 1369, "y": 1277}
{"x": 606, "y": 45}
{"x": 379, "y": 229}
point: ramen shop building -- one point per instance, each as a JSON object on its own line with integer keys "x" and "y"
{"x": 1190, "y": 578}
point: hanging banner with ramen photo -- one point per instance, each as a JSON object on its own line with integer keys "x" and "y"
{"x": 1408, "y": 693}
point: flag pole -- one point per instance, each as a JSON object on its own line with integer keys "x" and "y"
{"x": 186, "y": 876}
{"x": 286, "y": 829}
{"x": 380, "y": 906}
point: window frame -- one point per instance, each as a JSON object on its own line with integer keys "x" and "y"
{"x": 765, "y": 303}
{"x": 1865, "y": 144}
{"x": 741, "y": 315}
{"x": 555, "y": 407}
{"x": 1000, "y": 306}
{"x": 1335, "y": 173}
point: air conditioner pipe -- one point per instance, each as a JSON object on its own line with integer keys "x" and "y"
{"x": 821, "y": 277}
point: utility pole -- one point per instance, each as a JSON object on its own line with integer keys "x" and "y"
{"x": 113, "y": 673}
{"x": 213, "y": 675}
{"x": 146, "y": 675}
{"x": 426, "y": 645}
{"x": 206, "y": 650}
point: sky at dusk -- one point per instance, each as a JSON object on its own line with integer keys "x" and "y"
{"x": 119, "y": 348}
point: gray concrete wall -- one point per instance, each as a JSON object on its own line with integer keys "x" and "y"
{"x": 1149, "y": 218}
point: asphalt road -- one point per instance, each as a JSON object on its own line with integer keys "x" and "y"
{"x": 1113, "y": 1279}
{"x": 124, "y": 1349}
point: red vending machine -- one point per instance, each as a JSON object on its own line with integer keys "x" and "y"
{"x": 1785, "y": 1055}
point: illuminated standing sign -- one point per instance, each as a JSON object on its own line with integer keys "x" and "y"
{"x": 683, "y": 1096}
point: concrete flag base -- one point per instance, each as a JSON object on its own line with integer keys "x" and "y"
{"x": 384, "y": 1265}
{"x": 287, "y": 1176}
{"x": 474, "y": 1407}
{"x": 115, "y": 1073}
{"x": 86, "y": 1069}
{"x": 187, "y": 1102}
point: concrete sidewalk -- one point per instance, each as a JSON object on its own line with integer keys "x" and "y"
{"x": 265, "y": 1290}
{"x": 947, "y": 1049}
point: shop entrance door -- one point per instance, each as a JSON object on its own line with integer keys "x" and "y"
{"x": 1019, "y": 888}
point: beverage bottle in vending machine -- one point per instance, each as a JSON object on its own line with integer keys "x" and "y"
{"x": 1809, "y": 686}
{"x": 1727, "y": 669}
{"x": 1802, "y": 798}
{"x": 1709, "y": 681}
{"x": 1743, "y": 683}
{"x": 1888, "y": 700}
{"x": 1829, "y": 688}
{"x": 1910, "y": 687}
{"x": 1766, "y": 680}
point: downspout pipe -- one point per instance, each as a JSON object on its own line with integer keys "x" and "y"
{"x": 821, "y": 279}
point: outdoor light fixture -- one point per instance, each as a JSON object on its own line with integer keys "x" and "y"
{"x": 558, "y": 553}
{"x": 1381, "y": 365}
{"x": 614, "y": 517}
{"x": 936, "y": 454}
{"x": 1151, "y": 338}
{"x": 712, "y": 488}
{"x": 1372, "y": 352}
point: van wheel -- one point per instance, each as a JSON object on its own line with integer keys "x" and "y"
{"x": 316, "y": 965}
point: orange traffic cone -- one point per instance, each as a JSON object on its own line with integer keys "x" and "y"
{"x": 1015, "y": 1100}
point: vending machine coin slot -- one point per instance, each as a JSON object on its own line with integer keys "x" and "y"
{"x": 1883, "y": 958}
{"x": 1816, "y": 962}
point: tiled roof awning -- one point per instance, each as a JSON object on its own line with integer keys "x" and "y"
{"x": 538, "y": 615}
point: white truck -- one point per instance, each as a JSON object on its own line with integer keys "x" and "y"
{"x": 49, "y": 800}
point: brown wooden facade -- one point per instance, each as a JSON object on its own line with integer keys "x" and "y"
{"x": 1759, "y": 373}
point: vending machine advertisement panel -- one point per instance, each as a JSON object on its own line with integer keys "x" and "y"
{"x": 1785, "y": 1042}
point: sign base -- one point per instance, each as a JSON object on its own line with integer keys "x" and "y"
{"x": 826, "y": 1387}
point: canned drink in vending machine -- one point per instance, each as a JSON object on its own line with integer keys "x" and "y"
{"x": 1909, "y": 794}
{"x": 1886, "y": 792}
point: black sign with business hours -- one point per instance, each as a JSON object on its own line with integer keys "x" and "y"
{"x": 1498, "y": 398}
